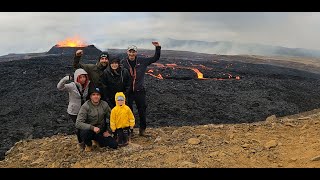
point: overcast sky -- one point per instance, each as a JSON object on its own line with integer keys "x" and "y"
{"x": 39, "y": 31}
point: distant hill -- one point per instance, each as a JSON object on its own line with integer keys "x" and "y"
{"x": 219, "y": 47}
{"x": 216, "y": 47}
{"x": 19, "y": 56}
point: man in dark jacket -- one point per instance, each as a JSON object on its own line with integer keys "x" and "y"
{"x": 116, "y": 79}
{"x": 93, "y": 121}
{"x": 137, "y": 67}
{"x": 95, "y": 71}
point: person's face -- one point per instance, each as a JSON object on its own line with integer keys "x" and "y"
{"x": 114, "y": 65}
{"x": 104, "y": 61}
{"x": 95, "y": 97}
{"x": 132, "y": 54}
{"x": 82, "y": 79}
{"x": 120, "y": 102}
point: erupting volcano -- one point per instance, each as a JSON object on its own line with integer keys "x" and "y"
{"x": 72, "y": 42}
{"x": 70, "y": 45}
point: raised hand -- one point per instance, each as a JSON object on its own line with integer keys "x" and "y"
{"x": 155, "y": 43}
{"x": 79, "y": 52}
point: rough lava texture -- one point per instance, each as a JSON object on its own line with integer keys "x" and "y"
{"x": 31, "y": 107}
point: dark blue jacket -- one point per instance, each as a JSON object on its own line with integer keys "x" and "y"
{"x": 137, "y": 74}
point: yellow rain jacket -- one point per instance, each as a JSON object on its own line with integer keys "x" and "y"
{"x": 121, "y": 116}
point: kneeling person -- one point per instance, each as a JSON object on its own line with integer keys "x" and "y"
{"x": 121, "y": 120}
{"x": 93, "y": 121}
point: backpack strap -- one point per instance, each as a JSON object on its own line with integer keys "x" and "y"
{"x": 81, "y": 94}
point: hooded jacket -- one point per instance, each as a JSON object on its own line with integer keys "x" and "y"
{"x": 121, "y": 116}
{"x": 137, "y": 73}
{"x": 114, "y": 82}
{"x": 74, "y": 94}
{"x": 95, "y": 71}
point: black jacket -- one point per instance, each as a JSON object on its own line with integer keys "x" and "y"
{"x": 137, "y": 74}
{"x": 115, "y": 82}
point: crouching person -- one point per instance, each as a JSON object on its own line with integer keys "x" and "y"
{"x": 93, "y": 121}
{"x": 121, "y": 120}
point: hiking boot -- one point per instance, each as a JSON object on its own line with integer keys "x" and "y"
{"x": 142, "y": 132}
{"x": 95, "y": 144}
{"x": 126, "y": 143}
{"x": 131, "y": 133}
{"x": 123, "y": 145}
{"x": 88, "y": 149}
{"x": 81, "y": 146}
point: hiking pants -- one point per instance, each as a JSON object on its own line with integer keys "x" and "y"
{"x": 77, "y": 131}
{"x": 140, "y": 99}
{"x": 88, "y": 135}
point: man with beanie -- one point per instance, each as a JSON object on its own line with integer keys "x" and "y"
{"x": 137, "y": 67}
{"x": 93, "y": 121}
{"x": 95, "y": 71}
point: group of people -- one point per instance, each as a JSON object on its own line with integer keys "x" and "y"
{"x": 101, "y": 97}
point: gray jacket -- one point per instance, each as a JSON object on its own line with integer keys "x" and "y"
{"x": 74, "y": 94}
{"x": 93, "y": 115}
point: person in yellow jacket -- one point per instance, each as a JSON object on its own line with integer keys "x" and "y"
{"x": 121, "y": 120}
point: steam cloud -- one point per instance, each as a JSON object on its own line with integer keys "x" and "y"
{"x": 221, "y": 32}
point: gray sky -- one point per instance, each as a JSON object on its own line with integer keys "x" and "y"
{"x": 22, "y": 32}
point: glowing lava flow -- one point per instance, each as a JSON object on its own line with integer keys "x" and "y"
{"x": 200, "y": 75}
{"x": 159, "y": 76}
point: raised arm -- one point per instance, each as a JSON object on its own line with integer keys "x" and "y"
{"x": 76, "y": 59}
{"x": 62, "y": 83}
{"x": 157, "y": 53}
